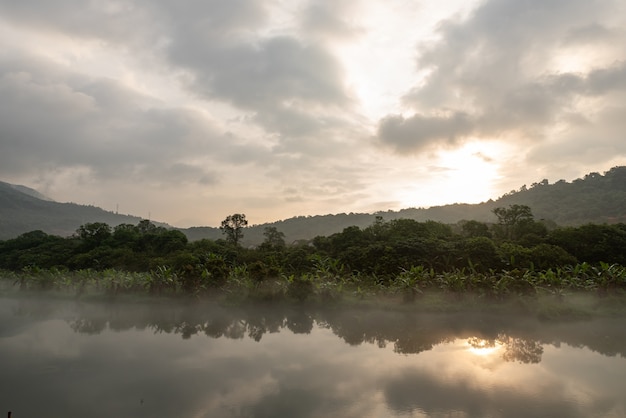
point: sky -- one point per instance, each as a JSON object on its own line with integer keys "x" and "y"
{"x": 186, "y": 112}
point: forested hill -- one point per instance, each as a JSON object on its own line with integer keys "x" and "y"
{"x": 24, "y": 210}
{"x": 596, "y": 198}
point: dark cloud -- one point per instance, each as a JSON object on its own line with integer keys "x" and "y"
{"x": 211, "y": 21}
{"x": 608, "y": 80}
{"x": 123, "y": 21}
{"x": 289, "y": 85}
{"x": 593, "y": 33}
{"x": 418, "y": 131}
{"x": 139, "y": 21}
{"x": 330, "y": 19}
{"x": 292, "y": 86}
{"x": 493, "y": 68}
{"x": 73, "y": 121}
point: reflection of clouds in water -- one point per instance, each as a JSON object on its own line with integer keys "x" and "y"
{"x": 199, "y": 376}
{"x": 436, "y": 397}
{"x": 291, "y": 373}
{"x": 50, "y": 336}
{"x": 596, "y": 379}
{"x": 452, "y": 377}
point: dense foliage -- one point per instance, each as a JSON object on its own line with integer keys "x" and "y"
{"x": 517, "y": 254}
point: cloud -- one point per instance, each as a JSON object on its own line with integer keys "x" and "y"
{"x": 331, "y": 20}
{"x": 418, "y": 131}
{"x": 115, "y": 21}
{"x": 289, "y": 86}
{"x": 608, "y": 80}
{"x": 513, "y": 71}
{"x": 593, "y": 33}
{"x": 416, "y": 390}
{"x": 69, "y": 120}
{"x": 250, "y": 98}
{"x": 210, "y": 21}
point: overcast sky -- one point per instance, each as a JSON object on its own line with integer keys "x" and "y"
{"x": 187, "y": 111}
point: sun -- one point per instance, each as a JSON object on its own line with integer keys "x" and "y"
{"x": 481, "y": 347}
{"x": 469, "y": 172}
{"x": 483, "y": 352}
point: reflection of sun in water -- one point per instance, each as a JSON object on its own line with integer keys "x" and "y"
{"x": 480, "y": 347}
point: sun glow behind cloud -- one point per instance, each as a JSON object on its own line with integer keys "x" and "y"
{"x": 473, "y": 168}
{"x": 380, "y": 59}
{"x": 462, "y": 175}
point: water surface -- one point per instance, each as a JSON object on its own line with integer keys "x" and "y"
{"x": 64, "y": 358}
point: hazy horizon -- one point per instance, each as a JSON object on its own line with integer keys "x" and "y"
{"x": 117, "y": 210}
{"x": 187, "y": 112}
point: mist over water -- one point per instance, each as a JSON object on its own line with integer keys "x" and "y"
{"x": 175, "y": 359}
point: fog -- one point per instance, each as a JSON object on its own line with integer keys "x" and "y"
{"x": 176, "y": 358}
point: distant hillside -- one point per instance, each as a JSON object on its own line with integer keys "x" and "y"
{"x": 22, "y": 211}
{"x": 595, "y": 198}
{"x": 29, "y": 191}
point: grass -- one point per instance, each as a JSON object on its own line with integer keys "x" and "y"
{"x": 574, "y": 292}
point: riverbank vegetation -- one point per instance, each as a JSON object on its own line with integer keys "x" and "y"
{"x": 401, "y": 258}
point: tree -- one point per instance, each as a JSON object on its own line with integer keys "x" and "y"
{"x": 378, "y": 230}
{"x": 481, "y": 253}
{"x": 475, "y": 229}
{"x": 145, "y": 226}
{"x": 513, "y": 215}
{"x": 94, "y": 234}
{"x": 511, "y": 220}
{"x": 274, "y": 239}
{"x": 125, "y": 235}
{"x": 233, "y": 226}
{"x": 593, "y": 243}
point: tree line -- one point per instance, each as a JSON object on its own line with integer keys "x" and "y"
{"x": 382, "y": 254}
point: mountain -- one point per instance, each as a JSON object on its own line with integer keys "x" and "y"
{"x": 595, "y": 198}
{"x": 23, "y": 209}
{"x": 29, "y": 191}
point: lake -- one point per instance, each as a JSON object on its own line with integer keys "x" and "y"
{"x": 68, "y": 358}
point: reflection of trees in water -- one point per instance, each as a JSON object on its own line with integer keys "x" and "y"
{"x": 300, "y": 323}
{"x": 514, "y": 349}
{"x": 88, "y": 326}
{"x": 356, "y": 327}
{"x": 522, "y": 339}
{"x": 222, "y": 326}
{"x": 520, "y": 349}
{"x": 409, "y": 335}
{"x": 480, "y": 343}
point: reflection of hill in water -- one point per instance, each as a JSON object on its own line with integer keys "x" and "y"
{"x": 410, "y": 333}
